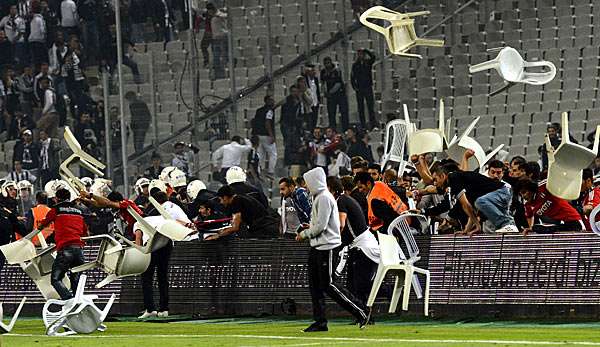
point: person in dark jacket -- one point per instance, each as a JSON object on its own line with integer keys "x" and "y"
{"x": 359, "y": 145}
{"x": 27, "y": 152}
{"x": 140, "y": 119}
{"x": 9, "y": 223}
{"x": 263, "y": 126}
{"x": 335, "y": 92}
{"x": 291, "y": 127}
{"x": 362, "y": 83}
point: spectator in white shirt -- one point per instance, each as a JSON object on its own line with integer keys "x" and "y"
{"x": 14, "y": 26}
{"x": 49, "y": 120}
{"x": 69, "y": 17}
{"x": 37, "y": 36}
{"x": 231, "y": 154}
{"x": 20, "y": 174}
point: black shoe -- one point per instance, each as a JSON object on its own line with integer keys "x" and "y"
{"x": 363, "y": 322}
{"x": 316, "y": 327}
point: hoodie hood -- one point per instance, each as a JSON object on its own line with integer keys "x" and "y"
{"x": 315, "y": 181}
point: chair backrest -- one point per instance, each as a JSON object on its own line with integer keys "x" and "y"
{"x": 389, "y": 247}
{"x": 402, "y": 226}
{"x": 8, "y": 327}
{"x": 396, "y": 133}
{"x": 427, "y": 140}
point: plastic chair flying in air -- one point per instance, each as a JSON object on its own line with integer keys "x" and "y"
{"x": 6, "y": 328}
{"x": 80, "y": 157}
{"x": 566, "y": 163}
{"x": 511, "y": 67}
{"x": 400, "y": 34}
{"x": 427, "y": 140}
{"x": 79, "y": 315}
{"x": 458, "y": 145}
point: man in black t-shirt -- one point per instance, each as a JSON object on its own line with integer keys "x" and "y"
{"x": 363, "y": 249}
{"x": 491, "y": 197}
{"x": 261, "y": 222}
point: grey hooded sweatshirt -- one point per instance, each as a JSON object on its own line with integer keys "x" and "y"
{"x": 324, "y": 230}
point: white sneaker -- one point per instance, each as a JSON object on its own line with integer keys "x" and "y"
{"x": 147, "y": 315}
{"x": 163, "y": 314}
{"x": 508, "y": 229}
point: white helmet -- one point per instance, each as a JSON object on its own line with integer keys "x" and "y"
{"x": 140, "y": 183}
{"x": 6, "y": 185}
{"x": 162, "y": 186}
{"x": 164, "y": 174}
{"x": 25, "y": 184}
{"x": 235, "y": 174}
{"x": 176, "y": 178}
{"x": 54, "y": 185}
{"x": 194, "y": 188}
{"x": 87, "y": 182}
{"x": 101, "y": 187}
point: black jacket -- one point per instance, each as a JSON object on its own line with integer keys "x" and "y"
{"x": 27, "y": 154}
{"x": 362, "y": 72}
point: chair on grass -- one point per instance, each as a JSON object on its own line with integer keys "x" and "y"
{"x": 511, "y": 67}
{"x": 116, "y": 260}
{"x": 394, "y": 260}
{"x": 79, "y": 315}
{"x": 6, "y": 328}
{"x": 396, "y": 133}
{"x": 400, "y": 33}
{"x": 566, "y": 163}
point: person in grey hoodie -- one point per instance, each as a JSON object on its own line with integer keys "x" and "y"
{"x": 324, "y": 235}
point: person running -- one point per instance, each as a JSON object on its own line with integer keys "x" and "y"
{"x": 324, "y": 235}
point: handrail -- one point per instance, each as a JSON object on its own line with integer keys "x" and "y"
{"x": 245, "y": 92}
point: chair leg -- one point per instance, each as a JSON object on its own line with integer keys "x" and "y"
{"x": 396, "y": 294}
{"x": 376, "y": 285}
{"x": 407, "y": 286}
{"x": 427, "y": 281}
{"x": 429, "y": 42}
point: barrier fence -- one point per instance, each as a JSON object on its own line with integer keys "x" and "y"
{"x": 270, "y": 276}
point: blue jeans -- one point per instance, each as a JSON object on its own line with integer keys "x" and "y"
{"x": 66, "y": 259}
{"x": 495, "y": 206}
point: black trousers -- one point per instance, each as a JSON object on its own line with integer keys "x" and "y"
{"x": 361, "y": 97}
{"x": 2, "y": 260}
{"x": 320, "y": 270}
{"x": 67, "y": 258}
{"x": 313, "y": 118}
{"x": 159, "y": 262}
{"x": 360, "y": 274}
{"x": 333, "y": 103}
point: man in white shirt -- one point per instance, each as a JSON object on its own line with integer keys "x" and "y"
{"x": 37, "y": 37}
{"x": 69, "y": 17}
{"x": 49, "y": 120}
{"x": 231, "y": 154}
{"x": 14, "y": 26}
{"x": 312, "y": 82}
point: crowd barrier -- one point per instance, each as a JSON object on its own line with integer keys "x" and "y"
{"x": 543, "y": 275}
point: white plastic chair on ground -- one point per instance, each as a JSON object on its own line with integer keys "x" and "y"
{"x": 6, "y": 328}
{"x": 427, "y": 140}
{"x": 396, "y": 133}
{"x": 511, "y": 67}
{"x": 393, "y": 259}
{"x": 116, "y": 260}
{"x": 566, "y": 163}
{"x": 79, "y": 314}
{"x": 458, "y": 145}
{"x": 400, "y": 34}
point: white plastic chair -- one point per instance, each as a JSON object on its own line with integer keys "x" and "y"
{"x": 115, "y": 260}
{"x": 566, "y": 163}
{"x": 427, "y": 140}
{"x": 396, "y": 133}
{"x": 458, "y": 145}
{"x": 80, "y": 157}
{"x": 79, "y": 314}
{"x": 400, "y": 34}
{"x": 511, "y": 67}
{"x": 392, "y": 262}
{"x": 6, "y": 328}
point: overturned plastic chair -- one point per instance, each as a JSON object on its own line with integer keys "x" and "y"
{"x": 6, "y": 328}
{"x": 116, "y": 260}
{"x": 459, "y": 145}
{"x": 79, "y": 315}
{"x": 400, "y": 34}
{"x": 511, "y": 67}
{"x": 427, "y": 140}
{"x": 393, "y": 260}
{"x": 80, "y": 157}
{"x": 396, "y": 133}
{"x": 566, "y": 163}
{"x": 35, "y": 262}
